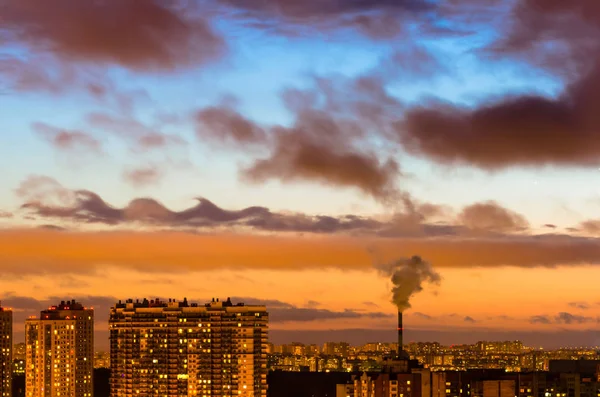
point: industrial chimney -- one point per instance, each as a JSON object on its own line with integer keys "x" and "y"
{"x": 400, "y": 336}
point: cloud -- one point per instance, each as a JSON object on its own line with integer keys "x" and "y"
{"x": 579, "y": 305}
{"x": 378, "y": 19}
{"x": 139, "y": 35}
{"x": 44, "y": 74}
{"x": 370, "y": 304}
{"x": 561, "y": 318}
{"x": 551, "y": 339}
{"x": 68, "y": 139}
{"x": 422, "y": 315}
{"x": 89, "y": 207}
{"x": 24, "y": 306}
{"x": 227, "y": 125}
{"x": 38, "y": 188}
{"x": 46, "y": 198}
{"x": 590, "y": 227}
{"x": 538, "y": 319}
{"x": 5, "y": 214}
{"x": 143, "y": 176}
{"x": 296, "y": 314}
{"x": 550, "y": 226}
{"x": 329, "y": 139}
{"x": 142, "y": 136}
{"x": 490, "y": 216}
{"x": 297, "y": 158}
{"x": 568, "y": 318}
{"x": 469, "y": 319}
{"x": 312, "y": 304}
{"x": 86, "y": 252}
{"x": 528, "y": 130}
{"x": 279, "y": 312}
{"x": 52, "y": 201}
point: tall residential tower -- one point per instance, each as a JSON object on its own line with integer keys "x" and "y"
{"x": 60, "y": 352}
{"x": 186, "y": 349}
{"x": 5, "y": 352}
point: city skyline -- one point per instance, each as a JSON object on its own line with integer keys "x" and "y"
{"x": 282, "y": 313}
{"x": 287, "y": 153}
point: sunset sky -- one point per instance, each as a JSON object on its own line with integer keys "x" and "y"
{"x": 280, "y": 151}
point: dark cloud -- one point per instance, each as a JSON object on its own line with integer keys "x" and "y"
{"x": 297, "y": 314}
{"x": 140, "y": 35}
{"x": 46, "y": 198}
{"x": 313, "y": 304}
{"x": 550, "y": 226}
{"x": 143, "y": 176}
{"x": 579, "y": 305}
{"x": 228, "y": 126}
{"x": 53, "y": 228}
{"x": 553, "y": 34}
{"x": 422, "y": 315}
{"x": 90, "y": 208}
{"x": 328, "y": 142}
{"x": 370, "y": 304}
{"x": 489, "y": 216}
{"x": 549, "y": 339}
{"x": 283, "y": 312}
{"x": 24, "y": 306}
{"x": 530, "y": 129}
{"x": 540, "y": 319}
{"x": 68, "y": 139}
{"x": 561, "y": 318}
{"x": 297, "y": 158}
{"x": 568, "y": 318}
{"x": 469, "y": 319}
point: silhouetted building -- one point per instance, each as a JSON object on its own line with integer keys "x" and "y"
{"x": 5, "y": 352}
{"x": 60, "y": 352}
{"x": 180, "y": 349}
{"x": 304, "y": 384}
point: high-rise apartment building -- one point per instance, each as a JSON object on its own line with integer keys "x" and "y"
{"x": 60, "y": 352}
{"x": 5, "y": 352}
{"x": 185, "y": 349}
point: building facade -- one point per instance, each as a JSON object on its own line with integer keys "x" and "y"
{"x": 186, "y": 349}
{"x": 6, "y": 341}
{"x": 60, "y": 352}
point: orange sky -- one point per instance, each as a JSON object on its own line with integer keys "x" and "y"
{"x": 336, "y": 272}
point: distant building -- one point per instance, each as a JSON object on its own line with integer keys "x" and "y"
{"x": 180, "y": 349}
{"x": 60, "y": 352}
{"x": 19, "y": 357}
{"x": 5, "y": 352}
{"x": 18, "y": 367}
{"x": 101, "y": 360}
{"x": 19, "y": 351}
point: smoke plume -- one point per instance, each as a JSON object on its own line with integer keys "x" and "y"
{"x": 408, "y": 276}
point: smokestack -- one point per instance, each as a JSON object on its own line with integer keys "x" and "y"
{"x": 400, "y": 336}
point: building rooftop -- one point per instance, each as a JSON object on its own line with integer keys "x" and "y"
{"x": 4, "y": 309}
{"x": 173, "y": 303}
